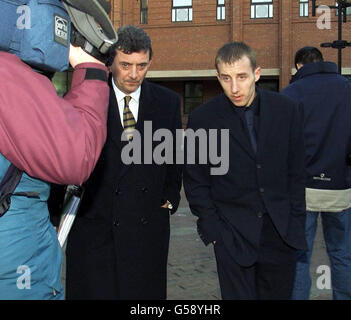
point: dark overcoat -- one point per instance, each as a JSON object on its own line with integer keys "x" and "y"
{"x": 230, "y": 207}
{"x": 118, "y": 245}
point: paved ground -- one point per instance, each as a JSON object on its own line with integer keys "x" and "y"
{"x": 192, "y": 269}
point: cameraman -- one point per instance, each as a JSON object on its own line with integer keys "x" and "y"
{"x": 53, "y": 140}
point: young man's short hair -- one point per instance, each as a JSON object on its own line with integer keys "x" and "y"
{"x": 234, "y": 51}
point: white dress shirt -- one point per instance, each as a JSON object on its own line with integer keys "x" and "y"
{"x": 133, "y": 104}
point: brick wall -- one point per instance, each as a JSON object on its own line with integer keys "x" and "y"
{"x": 193, "y": 45}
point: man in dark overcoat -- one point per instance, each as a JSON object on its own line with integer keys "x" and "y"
{"x": 118, "y": 245}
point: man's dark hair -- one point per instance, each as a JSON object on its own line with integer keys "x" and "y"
{"x": 130, "y": 39}
{"x": 307, "y": 55}
{"x": 234, "y": 51}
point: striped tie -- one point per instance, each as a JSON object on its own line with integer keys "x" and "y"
{"x": 128, "y": 119}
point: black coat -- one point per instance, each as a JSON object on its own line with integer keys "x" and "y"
{"x": 230, "y": 206}
{"x": 325, "y": 96}
{"x": 118, "y": 246}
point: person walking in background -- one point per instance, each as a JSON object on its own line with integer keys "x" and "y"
{"x": 326, "y": 100}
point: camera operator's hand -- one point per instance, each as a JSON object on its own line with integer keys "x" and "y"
{"x": 77, "y": 55}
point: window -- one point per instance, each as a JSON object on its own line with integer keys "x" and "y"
{"x": 144, "y": 5}
{"x": 261, "y": 9}
{"x": 220, "y": 9}
{"x": 182, "y": 10}
{"x": 303, "y": 8}
{"x": 348, "y": 9}
{"x": 193, "y": 96}
{"x": 269, "y": 84}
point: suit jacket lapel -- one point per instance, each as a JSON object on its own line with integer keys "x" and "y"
{"x": 115, "y": 130}
{"x": 114, "y": 125}
{"x": 232, "y": 121}
{"x": 266, "y": 117}
{"x": 147, "y": 107}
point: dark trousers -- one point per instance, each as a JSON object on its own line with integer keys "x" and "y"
{"x": 271, "y": 277}
{"x": 130, "y": 264}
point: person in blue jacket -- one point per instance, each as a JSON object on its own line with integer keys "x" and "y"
{"x": 325, "y": 97}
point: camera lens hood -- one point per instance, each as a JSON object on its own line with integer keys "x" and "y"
{"x": 90, "y": 18}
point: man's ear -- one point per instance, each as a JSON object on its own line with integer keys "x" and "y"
{"x": 257, "y": 74}
{"x": 299, "y": 66}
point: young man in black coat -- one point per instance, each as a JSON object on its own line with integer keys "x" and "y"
{"x": 253, "y": 214}
{"x": 118, "y": 245}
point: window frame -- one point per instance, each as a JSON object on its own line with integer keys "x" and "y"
{"x": 189, "y": 9}
{"x": 144, "y": 12}
{"x": 221, "y": 11}
{"x": 304, "y": 8}
{"x": 348, "y": 10}
{"x": 186, "y": 110}
{"x": 254, "y": 5}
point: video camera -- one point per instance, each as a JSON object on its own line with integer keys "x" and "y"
{"x": 39, "y": 32}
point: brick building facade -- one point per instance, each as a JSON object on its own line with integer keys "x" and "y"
{"x": 187, "y": 33}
